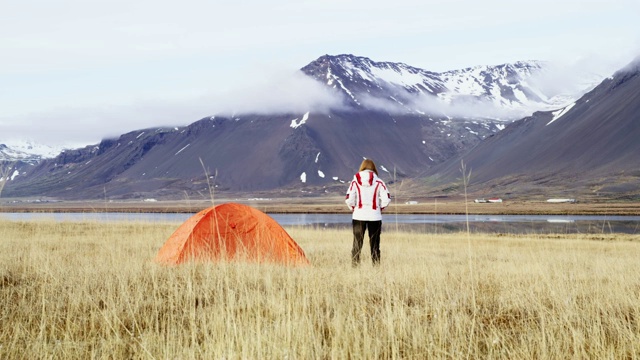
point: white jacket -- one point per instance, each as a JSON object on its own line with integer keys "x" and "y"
{"x": 367, "y": 196}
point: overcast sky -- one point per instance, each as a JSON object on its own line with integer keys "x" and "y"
{"x": 75, "y": 71}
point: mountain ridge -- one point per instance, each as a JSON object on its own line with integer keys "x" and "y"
{"x": 312, "y": 152}
{"x": 37, "y": 151}
{"x": 507, "y": 89}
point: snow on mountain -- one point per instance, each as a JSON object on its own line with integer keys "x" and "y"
{"x": 501, "y": 92}
{"x": 27, "y": 150}
{"x": 558, "y": 114}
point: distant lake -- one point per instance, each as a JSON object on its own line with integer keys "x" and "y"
{"x": 513, "y": 224}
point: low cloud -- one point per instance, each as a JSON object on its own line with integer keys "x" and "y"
{"x": 575, "y": 77}
{"x": 88, "y": 125}
{"x": 78, "y": 126}
{"x": 467, "y": 107}
{"x": 280, "y": 93}
{"x": 459, "y": 106}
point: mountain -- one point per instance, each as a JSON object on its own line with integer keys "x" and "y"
{"x": 249, "y": 153}
{"x": 589, "y": 148}
{"x": 506, "y": 92}
{"x": 406, "y": 119}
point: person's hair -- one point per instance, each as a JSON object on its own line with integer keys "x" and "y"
{"x": 368, "y": 164}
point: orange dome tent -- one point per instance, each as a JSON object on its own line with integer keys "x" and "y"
{"x": 229, "y": 231}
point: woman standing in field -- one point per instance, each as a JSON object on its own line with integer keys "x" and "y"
{"x": 367, "y": 197}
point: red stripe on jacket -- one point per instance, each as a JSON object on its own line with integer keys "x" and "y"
{"x": 375, "y": 197}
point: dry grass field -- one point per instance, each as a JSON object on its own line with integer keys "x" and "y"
{"x": 91, "y": 290}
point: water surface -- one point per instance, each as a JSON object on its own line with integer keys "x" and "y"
{"x": 422, "y": 223}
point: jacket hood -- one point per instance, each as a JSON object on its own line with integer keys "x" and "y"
{"x": 366, "y": 178}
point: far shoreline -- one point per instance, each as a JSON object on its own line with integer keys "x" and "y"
{"x": 329, "y": 205}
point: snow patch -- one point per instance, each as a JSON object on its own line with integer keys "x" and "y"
{"x": 179, "y": 151}
{"x": 138, "y": 137}
{"x": 295, "y": 124}
{"x": 329, "y": 77}
{"x": 383, "y": 168}
{"x": 321, "y": 174}
{"x": 558, "y": 114}
{"x": 303, "y": 177}
{"x": 317, "y": 156}
{"x": 399, "y": 76}
{"x": 351, "y": 95}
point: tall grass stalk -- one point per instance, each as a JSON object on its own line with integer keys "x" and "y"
{"x": 210, "y": 187}
{"x": 5, "y": 170}
{"x": 91, "y": 290}
{"x": 465, "y": 180}
{"x": 435, "y": 211}
{"x": 396, "y": 195}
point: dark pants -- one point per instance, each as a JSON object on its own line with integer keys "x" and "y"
{"x": 359, "y": 227}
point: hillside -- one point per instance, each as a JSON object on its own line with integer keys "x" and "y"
{"x": 589, "y": 147}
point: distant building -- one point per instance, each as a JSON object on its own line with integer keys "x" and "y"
{"x": 411, "y": 202}
{"x": 561, "y": 200}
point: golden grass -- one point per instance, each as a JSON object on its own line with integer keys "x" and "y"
{"x": 91, "y": 290}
